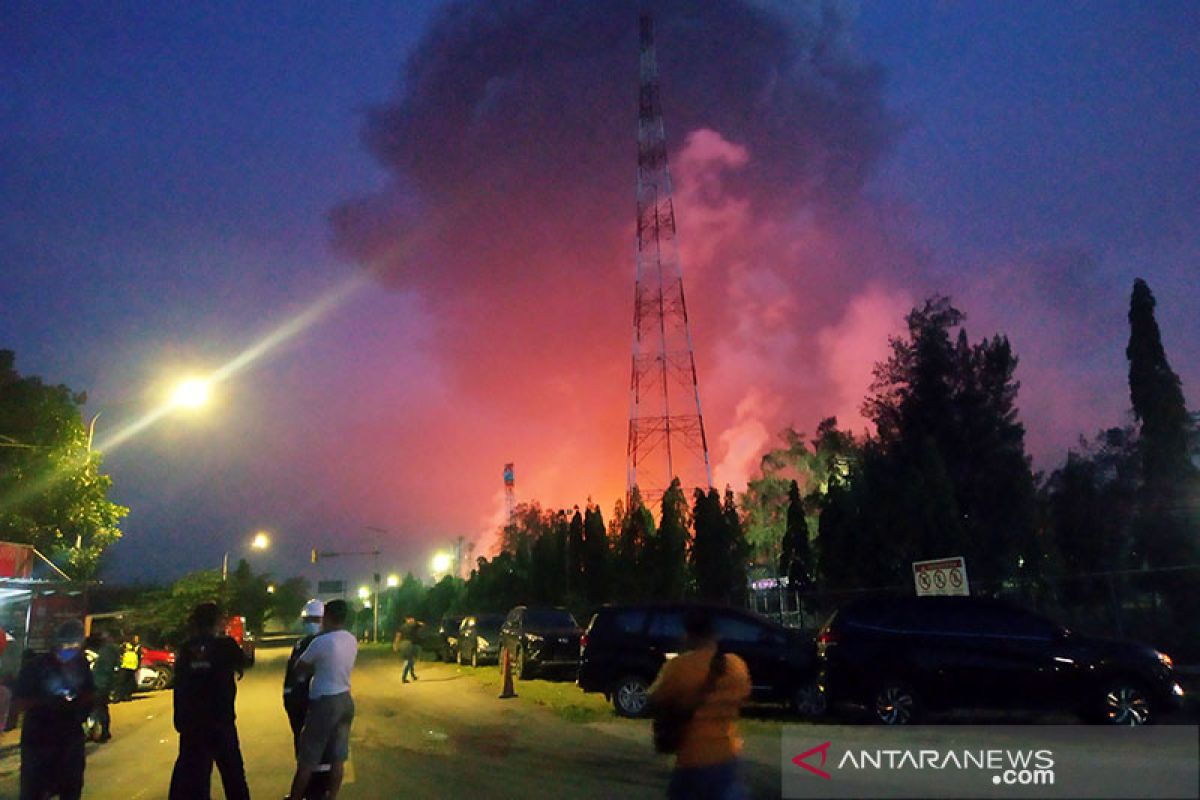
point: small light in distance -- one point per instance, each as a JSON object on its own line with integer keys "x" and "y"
{"x": 261, "y": 541}
{"x": 393, "y": 581}
{"x": 363, "y": 593}
{"x": 271, "y": 588}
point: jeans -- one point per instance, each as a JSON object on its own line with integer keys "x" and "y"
{"x": 198, "y": 750}
{"x": 408, "y": 666}
{"x": 715, "y": 782}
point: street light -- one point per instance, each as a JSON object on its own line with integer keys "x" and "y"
{"x": 261, "y": 541}
{"x": 393, "y": 581}
{"x": 270, "y": 588}
{"x": 441, "y": 562}
{"x": 364, "y": 593}
{"x": 191, "y": 393}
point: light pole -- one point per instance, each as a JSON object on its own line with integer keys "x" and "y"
{"x": 261, "y": 541}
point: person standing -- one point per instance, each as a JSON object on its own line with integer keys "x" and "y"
{"x": 104, "y": 675}
{"x": 329, "y": 658}
{"x": 408, "y": 647}
{"x": 703, "y": 689}
{"x": 206, "y": 673}
{"x": 131, "y": 660}
{"x": 295, "y": 694}
{"x": 54, "y": 690}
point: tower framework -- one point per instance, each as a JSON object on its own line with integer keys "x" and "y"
{"x": 666, "y": 426}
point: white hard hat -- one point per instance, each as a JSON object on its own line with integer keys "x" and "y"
{"x": 313, "y": 608}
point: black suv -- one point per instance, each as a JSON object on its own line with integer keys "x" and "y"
{"x": 539, "y": 639}
{"x": 479, "y": 638}
{"x": 625, "y": 646}
{"x": 901, "y": 656}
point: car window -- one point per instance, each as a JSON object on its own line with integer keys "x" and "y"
{"x": 667, "y": 625}
{"x": 628, "y": 622}
{"x": 737, "y": 630}
{"x": 549, "y": 618}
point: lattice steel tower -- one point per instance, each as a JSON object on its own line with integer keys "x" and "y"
{"x": 666, "y": 428}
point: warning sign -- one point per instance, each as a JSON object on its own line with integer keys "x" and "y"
{"x": 941, "y": 576}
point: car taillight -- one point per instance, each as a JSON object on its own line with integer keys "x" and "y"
{"x": 583, "y": 639}
{"x": 827, "y": 638}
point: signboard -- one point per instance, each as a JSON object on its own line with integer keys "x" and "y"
{"x": 941, "y": 576}
{"x": 508, "y": 474}
{"x": 331, "y": 587}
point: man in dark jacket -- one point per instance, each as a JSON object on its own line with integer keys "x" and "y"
{"x": 54, "y": 691}
{"x": 206, "y": 670}
{"x": 104, "y": 675}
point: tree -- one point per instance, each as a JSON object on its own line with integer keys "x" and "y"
{"x": 1157, "y": 397}
{"x": 575, "y": 553}
{"x": 52, "y": 493}
{"x": 629, "y": 557}
{"x": 595, "y": 555}
{"x": 733, "y": 539}
{"x": 795, "y": 562}
{"x": 667, "y": 552}
{"x": 946, "y": 419}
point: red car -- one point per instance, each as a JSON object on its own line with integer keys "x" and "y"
{"x": 157, "y": 670}
{"x": 235, "y": 628}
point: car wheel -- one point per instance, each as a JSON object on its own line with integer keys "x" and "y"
{"x": 895, "y": 703}
{"x": 809, "y": 700}
{"x": 1126, "y": 703}
{"x": 631, "y": 696}
{"x": 475, "y": 657}
{"x": 162, "y": 679}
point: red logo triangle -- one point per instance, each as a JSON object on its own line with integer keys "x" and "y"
{"x": 800, "y": 760}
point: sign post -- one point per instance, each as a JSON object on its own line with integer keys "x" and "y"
{"x": 941, "y": 576}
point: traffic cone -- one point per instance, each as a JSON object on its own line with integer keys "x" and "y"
{"x": 506, "y": 668}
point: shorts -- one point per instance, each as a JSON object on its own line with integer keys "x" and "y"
{"x": 326, "y": 731}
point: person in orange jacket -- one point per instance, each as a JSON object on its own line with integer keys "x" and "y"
{"x": 713, "y": 685}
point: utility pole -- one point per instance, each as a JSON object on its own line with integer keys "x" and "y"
{"x": 666, "y": 427}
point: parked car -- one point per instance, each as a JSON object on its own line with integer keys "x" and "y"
{"x": 447, "y": 636}
{"x": 479, "y": 639}
{"x": 235, "y": 628}
{"x": 540, "y": 639}
{"x": 626, "y": 646}
{"x": 157, "y": 671}
{"x": 901, "y": 657}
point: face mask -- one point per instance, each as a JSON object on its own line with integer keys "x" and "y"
{"x": 66, "y": 654}
{"x": 312, "y": 628}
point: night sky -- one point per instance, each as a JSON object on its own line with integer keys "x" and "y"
{"x": 177, "y": 183}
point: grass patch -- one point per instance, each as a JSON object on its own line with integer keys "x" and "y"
{"x": 563, "y": 698}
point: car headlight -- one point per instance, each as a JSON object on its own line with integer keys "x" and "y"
{"x": 482, "y": 642}
{"x": 1165, "y": 660}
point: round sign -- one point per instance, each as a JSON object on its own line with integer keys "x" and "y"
{"x": 939, "y": 578}
{"x": 956, "y": 579}
{"x": 923, "y": 579}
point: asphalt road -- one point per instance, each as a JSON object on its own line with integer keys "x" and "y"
{"x": 441, "y": 737}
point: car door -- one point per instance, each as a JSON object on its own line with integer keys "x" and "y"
{"x": 765, "y": 656}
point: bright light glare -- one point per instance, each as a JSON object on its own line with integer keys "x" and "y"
{"x": 393, "y": 581}
{"x": 271, "y": 588}
{"x": 191, "y": 393}
{"x": 441, "y": 562}
{"x": 261, "y": 541}
{"x": 363, "y": 593}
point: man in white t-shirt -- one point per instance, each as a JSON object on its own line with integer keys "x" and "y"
{"x": 330, "y": 658}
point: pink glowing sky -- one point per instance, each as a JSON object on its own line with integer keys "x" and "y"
{"x": 830, "y": 171}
